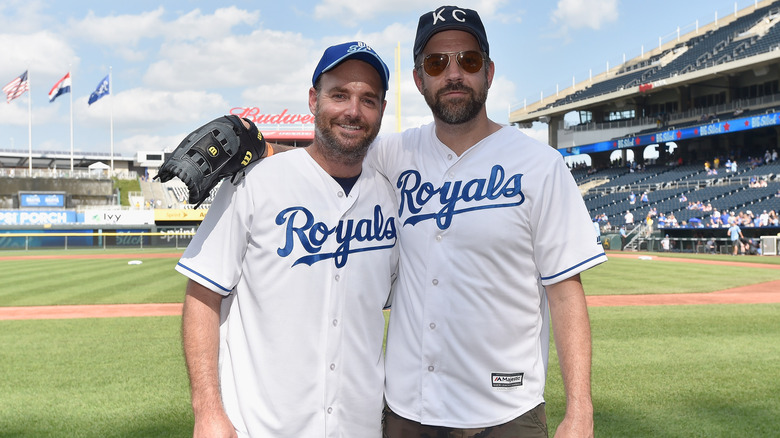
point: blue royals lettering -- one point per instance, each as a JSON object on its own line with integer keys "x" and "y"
{"x": 415, "y": 194}
{"x": 301, "y": 227}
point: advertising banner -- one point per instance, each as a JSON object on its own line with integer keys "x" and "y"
{"x": 36, "y": 200}
{"x": 37, "y": 217}
{"x": 119, "y": 217}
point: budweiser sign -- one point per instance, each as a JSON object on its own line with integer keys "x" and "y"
{"x": 253, "y": 114}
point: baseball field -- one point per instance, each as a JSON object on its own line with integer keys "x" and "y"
{"x": 684, "y": 346}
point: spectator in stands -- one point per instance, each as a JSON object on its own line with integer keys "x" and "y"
{"x": 632, "y": 198}
{"x": 735, "y": 234}
{"x": 707, "y": 167}
{"x": 728, "y": 166}
{"x": 734, "y": 166}
{"x": 715, "y": 219}
{"x": 763, "y": 219}
{"x": 725, "y": 218}
{"x": 683, "y": 198}
{"x": 716, "y": 162}
{"x": 649, "y": 223}
{"x": 671, "y": 221}
{"x": 645, "y": 199}
{"x": 774, "y": 221}
{"x": 629, "y": 218}
{"x": 774, "y": 155}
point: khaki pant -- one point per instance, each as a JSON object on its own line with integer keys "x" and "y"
{"x": 532, "y": 424}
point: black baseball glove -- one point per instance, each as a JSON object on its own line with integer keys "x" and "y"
{"x": 221, "y": 148}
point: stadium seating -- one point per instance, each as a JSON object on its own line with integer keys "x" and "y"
{"x": 724, "y": 44}
{"x": 724, "y": 192}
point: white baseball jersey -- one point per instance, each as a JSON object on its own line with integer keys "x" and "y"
{"x": 481, "y": 235}
{"x": 306, "y": 271}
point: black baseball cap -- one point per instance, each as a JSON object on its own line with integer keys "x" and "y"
{"x": 450, "y": 18}
{"x": 335, "y": 55}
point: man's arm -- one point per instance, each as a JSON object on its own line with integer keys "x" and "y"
{"x": 200, "y": 338}
{"x": 571, "y": 329}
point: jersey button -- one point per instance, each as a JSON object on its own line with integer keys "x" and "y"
{"x": 341, "y": 194}
{"x": 435, "y": 282}
{"x": 330, "y": 410}
{"x": 430, "y": 368}
{"x": 332, "y": 366}
{"x": 337, "y": 277}
{"x": 432, "y": 325}
{"x": 335, "y": 322}
{"x": 438, "y": 238}
{"x": 449, "y": 156}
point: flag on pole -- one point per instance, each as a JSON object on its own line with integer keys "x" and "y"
{"x": 102, "y": 89}
{"x": 61, "y": 87}
{"x": 17, "y": 87}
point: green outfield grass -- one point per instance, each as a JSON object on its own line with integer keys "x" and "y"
{"x": 661, "y": 371}
{"x": 101, "y": 377}
{"x": 37, "y": 282}
{"x": 682, "y": 371}
{"x": 621, "y": 276}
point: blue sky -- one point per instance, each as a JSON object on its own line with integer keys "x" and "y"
{"x": 178, "y": 64}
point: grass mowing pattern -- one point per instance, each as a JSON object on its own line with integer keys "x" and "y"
{"x": 90, "y": 281}
{"x": 671, "y": 371}
{"x": 103, "y": 377}
{"x": 620, "y": 276}
{"x": 682, "y": 371}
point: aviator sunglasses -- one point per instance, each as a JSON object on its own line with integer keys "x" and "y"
{"x": 469, "y": 60}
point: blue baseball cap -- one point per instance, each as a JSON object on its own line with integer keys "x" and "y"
{"x": 335, "y": 55}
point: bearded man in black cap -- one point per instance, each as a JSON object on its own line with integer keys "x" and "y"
{"x": 493, "y": 236}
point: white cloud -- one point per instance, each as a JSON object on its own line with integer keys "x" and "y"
{"x": 538, "y": 132}
{"x": 128, "y": 146}
{"x": 141, "y": 111}
{"x": 577, "y": 14}
{"x": 43, "y": 53}
{"x": 264, "y": 56}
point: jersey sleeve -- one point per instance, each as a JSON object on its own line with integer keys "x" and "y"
{"x": 214, "y": 257}
{"x": 383, "y": 155}
{"x": 565, "y": 241}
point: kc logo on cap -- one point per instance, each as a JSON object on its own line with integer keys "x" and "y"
{"x": 450, "y": 18}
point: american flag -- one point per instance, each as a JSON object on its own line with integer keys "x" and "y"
{"x": 17, "y": 87}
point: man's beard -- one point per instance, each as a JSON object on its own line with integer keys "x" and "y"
{"x": 456, "y": 111}
{"x": 349, "y": 151}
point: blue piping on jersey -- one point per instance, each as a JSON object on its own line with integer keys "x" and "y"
{"x": 574, "y": 267}
{"x": 205, "y": 278}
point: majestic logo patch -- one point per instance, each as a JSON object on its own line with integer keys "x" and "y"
{"x": 506, "y": 380}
